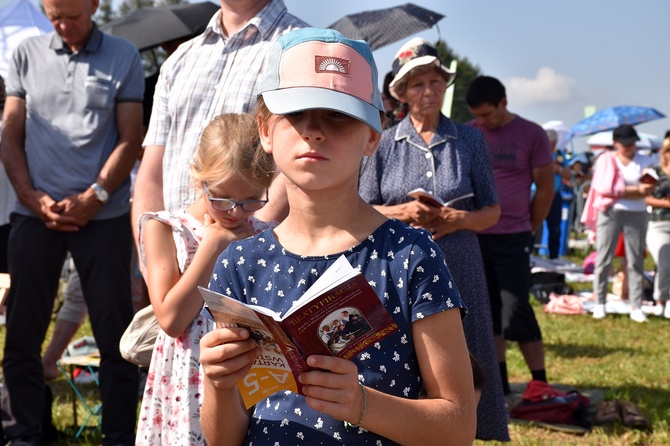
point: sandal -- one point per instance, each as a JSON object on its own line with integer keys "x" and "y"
{"x": 608, "y": 412}
{"x": 632, "y": 416}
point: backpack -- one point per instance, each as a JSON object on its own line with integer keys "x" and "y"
{"x": 543, "y": 283}
{"x": 541, "y": 402}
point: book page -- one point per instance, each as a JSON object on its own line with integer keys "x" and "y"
{"x": 337, "y": 273}
{"x": 426, "y": 197}
{"x": 280, "y": 362}
{"x": 457, "y": 199}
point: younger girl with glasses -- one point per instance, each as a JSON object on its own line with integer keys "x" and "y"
{"x": 179, "y": 250}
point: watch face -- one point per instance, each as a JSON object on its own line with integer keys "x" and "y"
{"x": 100, "y": 193}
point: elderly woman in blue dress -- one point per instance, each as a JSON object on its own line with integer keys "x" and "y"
{"x": 449, "y": 160}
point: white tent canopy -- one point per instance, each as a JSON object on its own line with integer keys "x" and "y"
{"x": 19, "y": 19}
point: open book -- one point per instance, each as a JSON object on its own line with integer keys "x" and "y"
{"x": 649, "y": 176}
{"x": 339, "y": 315}
{"x": 433, "y": 200}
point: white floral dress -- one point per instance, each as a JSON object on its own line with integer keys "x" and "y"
{"x": 170, "y": 411}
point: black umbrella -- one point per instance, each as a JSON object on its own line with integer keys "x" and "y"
{"x": 149, "y": 27}
{"x": 382, "y": 27}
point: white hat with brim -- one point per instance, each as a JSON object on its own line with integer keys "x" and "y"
{"x": 415, "y": 53}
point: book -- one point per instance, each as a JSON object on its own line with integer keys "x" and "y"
{"x": 339, "y": 315}
{"x": 649, "y": 177}
{"x": 433, "y": 200}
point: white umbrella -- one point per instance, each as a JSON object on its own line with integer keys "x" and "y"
{"x": 561, "y": 130}
{"x": 647, "y": 141}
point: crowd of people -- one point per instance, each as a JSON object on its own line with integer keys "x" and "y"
{"x": 257, "y": 171}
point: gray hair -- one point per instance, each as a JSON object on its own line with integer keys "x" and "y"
{"x": 552, "y": 135}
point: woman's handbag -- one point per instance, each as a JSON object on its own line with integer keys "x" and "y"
{"x": 137, "y": 343}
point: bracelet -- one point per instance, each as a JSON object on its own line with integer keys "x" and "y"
{"x": 365, "y": 407}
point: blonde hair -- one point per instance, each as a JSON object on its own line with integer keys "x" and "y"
{"x": 665, "y": 147}
{"x": 229, "y": 148}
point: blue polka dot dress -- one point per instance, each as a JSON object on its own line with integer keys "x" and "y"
{"x": 408, "y": 272}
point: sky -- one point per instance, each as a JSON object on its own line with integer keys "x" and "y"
{"x": 554, "y": 57}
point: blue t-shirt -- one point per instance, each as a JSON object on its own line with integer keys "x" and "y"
{"x": 408, "y": 272}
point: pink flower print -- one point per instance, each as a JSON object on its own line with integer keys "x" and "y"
{"x": 195, "y": 379}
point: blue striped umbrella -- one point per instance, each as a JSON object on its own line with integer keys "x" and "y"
{"x": 612, "y": 117}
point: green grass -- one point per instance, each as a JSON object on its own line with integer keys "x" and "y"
{"x": 623, "y": 359}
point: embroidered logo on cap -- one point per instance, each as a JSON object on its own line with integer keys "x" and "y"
{"x": 329, "y": 64}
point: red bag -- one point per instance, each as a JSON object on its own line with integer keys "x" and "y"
{"x": 541, "y": 402}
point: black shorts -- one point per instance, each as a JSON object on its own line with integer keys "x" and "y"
{"x": 507, "y": 265}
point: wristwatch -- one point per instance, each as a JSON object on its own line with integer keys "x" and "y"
{"x": 100, "y": 193}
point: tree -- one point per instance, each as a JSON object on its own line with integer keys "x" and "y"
{"x": 105, "y": 12}
{"x": 466, "y": 73}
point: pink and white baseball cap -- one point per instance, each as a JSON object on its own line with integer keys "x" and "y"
{"x": 314, "y": 68}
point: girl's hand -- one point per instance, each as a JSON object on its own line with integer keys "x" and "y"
{"x": 334, "y": 388}
{"x": 212, "y": 232}
{"x": 226, "y": 355}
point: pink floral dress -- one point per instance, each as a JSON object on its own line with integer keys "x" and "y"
{"x": 170, "y": 411}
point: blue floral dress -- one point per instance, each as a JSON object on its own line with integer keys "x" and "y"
{"x": 455, "y": 163}
{"x": 408, "y": 272}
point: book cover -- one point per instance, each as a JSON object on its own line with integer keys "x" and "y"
{"x": 340, "y": 315}
{"x": 649, "y": 177}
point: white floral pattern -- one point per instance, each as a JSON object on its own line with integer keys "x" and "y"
{"x": 390, "y": 366}
{"x": 170, "y": 410}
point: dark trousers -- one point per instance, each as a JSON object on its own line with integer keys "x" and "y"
{"x": 4, "y": 236}
{"x": 507, "y": 267}
{"x": 101, "y": 253}
{"x": 553, "y": 221}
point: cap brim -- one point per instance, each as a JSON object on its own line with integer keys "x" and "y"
{"x": 419, "y": 61}
{"x": 627, "y": 141}
{"x": 291, "y": 100}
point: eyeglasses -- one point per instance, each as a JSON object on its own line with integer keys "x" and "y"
{"x": 224, "y": 204}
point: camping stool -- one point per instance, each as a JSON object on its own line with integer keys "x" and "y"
{"x": 90, "y": 362}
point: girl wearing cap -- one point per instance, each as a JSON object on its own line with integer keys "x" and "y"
{"x": 430, "y": 151}
{"x": 319, "y": 114}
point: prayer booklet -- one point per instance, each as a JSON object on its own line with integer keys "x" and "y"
{"x": 433, "y": 200}
{"x": 339, "y": 315}
{"x": 649, "y": 176}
